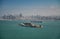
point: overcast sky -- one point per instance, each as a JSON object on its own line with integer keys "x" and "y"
{"x": 30, "y": 7}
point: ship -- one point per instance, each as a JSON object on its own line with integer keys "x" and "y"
{"x": 30, "y": 25}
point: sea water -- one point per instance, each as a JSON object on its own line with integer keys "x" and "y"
{"x": 11, "y": 30}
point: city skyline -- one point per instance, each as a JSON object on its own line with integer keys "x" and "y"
{"x": 30, "y": 7}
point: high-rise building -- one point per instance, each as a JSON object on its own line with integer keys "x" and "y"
{"x": 20, "y": 15}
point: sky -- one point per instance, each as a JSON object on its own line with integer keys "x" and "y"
{"x": 30, "y": 7}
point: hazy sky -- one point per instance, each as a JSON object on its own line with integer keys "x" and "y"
{"x": 30, "y": 7}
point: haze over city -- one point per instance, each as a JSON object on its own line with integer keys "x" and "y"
{"x": 30, "y": 7}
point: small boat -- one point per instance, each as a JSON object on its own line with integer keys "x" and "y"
{"x": 31, "y": 25}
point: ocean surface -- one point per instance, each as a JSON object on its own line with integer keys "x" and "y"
{"x": 11, "y": 30}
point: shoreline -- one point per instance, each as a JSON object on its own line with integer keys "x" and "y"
{"x": 27, "y": 19}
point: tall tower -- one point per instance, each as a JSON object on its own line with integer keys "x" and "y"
{"x": 20, "y": 14}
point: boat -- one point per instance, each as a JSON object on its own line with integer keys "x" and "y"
{"x": 30, "y": 25}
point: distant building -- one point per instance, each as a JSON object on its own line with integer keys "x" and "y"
{"x": 20, "y": 15}
{"x": 8, "y": 17}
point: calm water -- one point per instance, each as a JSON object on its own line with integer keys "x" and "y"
{"x": 11, "y": 30}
